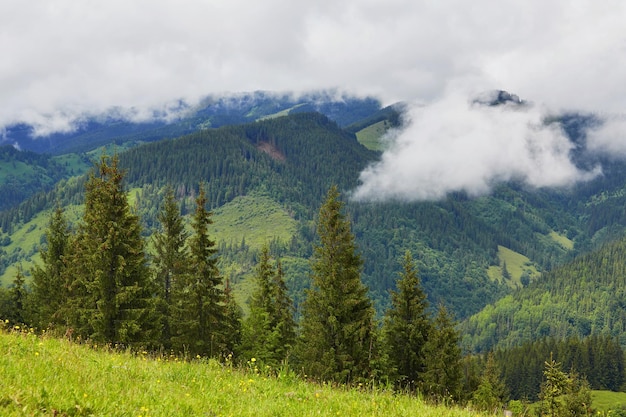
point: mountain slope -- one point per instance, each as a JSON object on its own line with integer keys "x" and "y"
{"x": 586, "y": 296}
{"x": 293, "y": 160}
{"x": 118, "y": 126}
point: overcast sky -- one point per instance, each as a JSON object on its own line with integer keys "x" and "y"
{"x": 61, "y": 58}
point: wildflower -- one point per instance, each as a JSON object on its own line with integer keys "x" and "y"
{"x": 253, "y": 360}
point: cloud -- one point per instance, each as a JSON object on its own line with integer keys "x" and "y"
{"x": 64, "y": 60}
{"x": 456, "y": 144}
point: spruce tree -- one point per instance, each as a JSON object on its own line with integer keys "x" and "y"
{"x": 406, "y": 327}
{"x": 443, "y": 375}
{"x": 50, "y": 286}
{"x": 199, "y": 310}
{"x": 232, "y": 332}
{"x": 337, "y": 317}
{"x": 170, "y": 258}
{"x": 270, "y": 327}
{"x": 112, "y": 284}
{"x": 490, "y": 394}
{"x": 18, "y": 297}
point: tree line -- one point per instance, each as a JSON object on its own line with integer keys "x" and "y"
{"x": 98, "y": 283}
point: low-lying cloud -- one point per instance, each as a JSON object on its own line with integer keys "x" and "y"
{"x": 456, "y": 144}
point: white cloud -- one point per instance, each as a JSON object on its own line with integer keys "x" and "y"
{"x": 64, "y": 59}
{"x": 457, "y": 145}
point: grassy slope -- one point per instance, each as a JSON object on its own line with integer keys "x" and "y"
{"x": 516, "y": 264}
{"x": 257, "y": 219}
{"x": 45, "y": 376}
{"x": 370, "y": 136}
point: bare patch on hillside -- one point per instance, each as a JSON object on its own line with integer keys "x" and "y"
{"x": 272, "y": 151}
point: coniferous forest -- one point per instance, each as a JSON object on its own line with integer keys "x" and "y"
{"x": 485, "y": 300}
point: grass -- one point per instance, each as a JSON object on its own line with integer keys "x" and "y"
{"x": 256, "y": 219}
{"x": 516, "y": 264}
{"x": 607, "y": 400}
{"x": 562, "y": 240}
{"x": 43, "y": 376}
{"x": 371, "y": 135}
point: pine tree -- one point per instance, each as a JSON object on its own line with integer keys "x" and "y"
{"x": 49, "y": 282}
{"x": 113, "y": 288}
{"x": 270, "y": 327}
{"x": 337, "y": 322}
{"x": 170, "y": 258}
{"x": 443, "y": 375}
{"x": 199, "y": 311}
{"x": 406, "y": 327}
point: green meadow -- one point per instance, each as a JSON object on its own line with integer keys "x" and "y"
{"x": 45, "y": 376}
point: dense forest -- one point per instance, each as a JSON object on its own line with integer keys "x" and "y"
{"x": 294, "y": 159}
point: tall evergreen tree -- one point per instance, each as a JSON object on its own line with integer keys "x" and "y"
{"x": 170, "y": 258}
{"x": 406, "y": 327}
{"x": 443, "y": 376}
{"x": 337, "y": 321}
{"x": 199, "y": 311}
{"x": 112, "y": 283}
{"x": 50, "y": 286}
{"x": 232, "y": 332}
{"x": 19, "y": 297}
{"x": 491, "y": 392}
{"x": 270, "y": 327}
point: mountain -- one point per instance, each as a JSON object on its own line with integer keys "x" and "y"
{"x": 117, "y": 126}
{"x": 274, "y": 172}
{"x": 584, "y": 297}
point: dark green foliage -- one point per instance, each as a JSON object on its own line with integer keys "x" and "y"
{"x": 50, "y": 282}
{"x": 18, "y": 299}
{"x": 406, "y": 328}
{"x": 232, "y": 333}
{"x": 581, "y": 298}
{"x": 442, "y": 377}
{"x": 198, "y": 313}
{"x": 170, "y": 260}
{"x": 270, "y": 327}
{"x": 112, "y": 289}
{"x": 599, "y": 359}
{"x": 25, "y": 173}
{"x": 337, "y": 320}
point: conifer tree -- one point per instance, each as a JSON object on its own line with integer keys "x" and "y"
{"x": 491, "y": 392}
{"x": 199, "y": 310}
{"x": 442, "y": 378}
{"x": 113, "y": 288}
{"x": 406, "y": 327}
{"x": 170, "y": 259}
{"x": 232, "y": 332}
{"x": 18, "y": 295}
{"x": 49, "y": 282}
{"x": 270, "y": 327}
{"x": 337, "y": 321}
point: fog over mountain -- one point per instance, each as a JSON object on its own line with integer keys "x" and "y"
{"x": 64, "y": 61}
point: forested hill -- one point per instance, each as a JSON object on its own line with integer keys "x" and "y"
{"x": 118, "y": 126}
{"x": 293, "y": 159}
{"x": 469, "y": 252}
{"x": 584, "y": 297}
